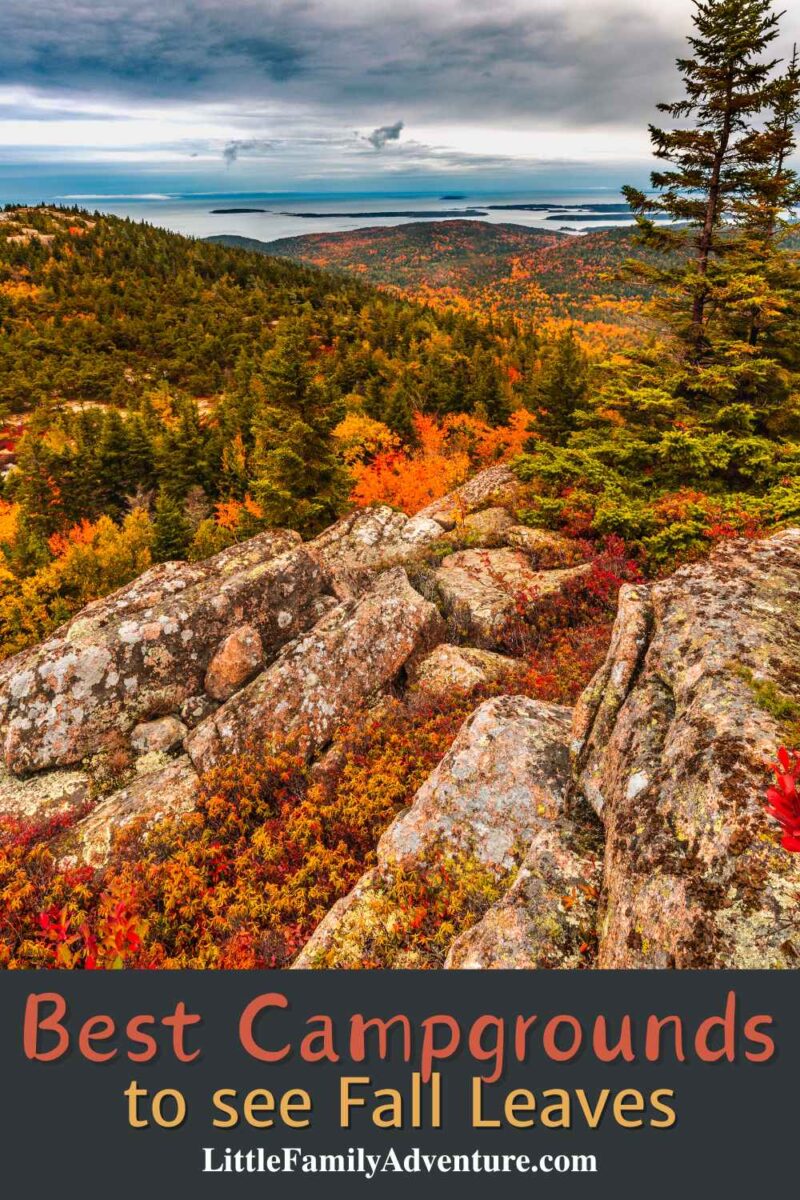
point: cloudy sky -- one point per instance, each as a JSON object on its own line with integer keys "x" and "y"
{"x": 293, "y": 94}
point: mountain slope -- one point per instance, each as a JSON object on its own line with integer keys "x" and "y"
{"x": 147, "y": 379}
{"x": 507, "y": 268}
{"x": 434, "y": 253}
{"x": 100, "y": 309}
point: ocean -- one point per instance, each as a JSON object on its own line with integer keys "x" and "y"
{"x": 278, "y": 215}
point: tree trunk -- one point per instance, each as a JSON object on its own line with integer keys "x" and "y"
{"x": 706, "y": 239}
{"x": 769, "y": 235}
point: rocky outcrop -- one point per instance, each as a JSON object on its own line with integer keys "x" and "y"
{"x": 630, "y": 833}
{"x": 449, "y": 669}
{"x": 497, "y": 487}
{"x": 142, "y": 652}
{"x": 671, "y": 744}
{"x": 484, "y": 590}
{"x": 547, "y": 917}
{"x": 370, "y": 540}
{"x": 188, "y": 654}
{"x": 503, "y": 779}
{"x": 52, "y": 794}
{"x": 165, "y": 792}
{"x": 320, "y": 680}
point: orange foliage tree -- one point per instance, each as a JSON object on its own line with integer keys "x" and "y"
{"x": 444, "y": 455}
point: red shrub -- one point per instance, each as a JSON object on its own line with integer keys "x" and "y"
{"x": 783, "y": 799}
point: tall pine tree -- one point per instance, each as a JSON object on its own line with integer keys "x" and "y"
{"x": 300, "y": 480}
{"x": 762, "y": 276}
{"x": 561, "y": 387}
{"x": 727, "y": 83}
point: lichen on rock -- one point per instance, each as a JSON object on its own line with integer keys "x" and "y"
{"x": 504, "y": 778}
{"x": 671, "y": 745}
{"x": 324, "y": 677}
{"x": 140, "y": 653}
{"x": 547, "y": 918}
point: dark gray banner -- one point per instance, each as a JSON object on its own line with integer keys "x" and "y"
{"x": 572, "y": 1084}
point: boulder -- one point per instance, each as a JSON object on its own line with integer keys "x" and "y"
{"x": 141, "y": 652}
{"x": 547, "y": 917}
{"x": 237, "y": 660}
{"x": 166, "y": 792}
{"x": 504, "y": 779}
{"x": 449, "y": 669}
{"x": 368, "y": 541}
{"x": 505, "y": 773}
{"x": 52, "y": 794}
{"x": 671, "y": 743}
{"x": 484, "y": 590}
{"x": 544, "y": 549}
{"x": 495, "y": 487}
{"x": 159, "y": 736}
{"x": 324, "y": 677}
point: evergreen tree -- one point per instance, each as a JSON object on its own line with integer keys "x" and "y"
{"x": 112, "y": 462}
{"x": 709, "y": 407}
{"x": 300, "y": 480}
{"x": 761, "y": 275}
{"x": 185, "y": 457}
{"x": 35, "y": 485}
{"x": 486, "y": 393}
{"x": 397, "y": 409}
{"x": 172, "y": 532}
{"x": 727, "y": 86}
{"x": 140, "y": 467}
{"x": 561, "y": 388}
{"x": 84, "y": 485}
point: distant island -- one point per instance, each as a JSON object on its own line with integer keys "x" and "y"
{"x": 561, "y": 208}
{"x": 422, "y": 212}
{"x": 588, "y": 216}
{"x": 577, "y": 212}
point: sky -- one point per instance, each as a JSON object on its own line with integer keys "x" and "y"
{"x": 343, "y": 95}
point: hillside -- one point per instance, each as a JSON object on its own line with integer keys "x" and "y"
{"x": 493, "y": 268}
{"x": 95, "y": 308}
{"x": 149, "y": 384}
{"x": 482, "y": 268}
{"x": 452, "y": 253}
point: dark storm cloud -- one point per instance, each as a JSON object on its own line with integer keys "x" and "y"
{"x": 233, "y": 149}
{"x": 481, "y": 60}
{"x": 385, "y": 133}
